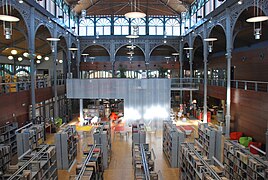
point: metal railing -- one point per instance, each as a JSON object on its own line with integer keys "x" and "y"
{"x": 185, "y": 83}
{"x": 258, "y": 86}
{"x": 26, "y": 85}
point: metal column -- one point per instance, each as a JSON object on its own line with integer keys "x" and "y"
{"x": 69, "y": 59}
{"x": 32, "y": 60}
{"x": 267, "y": 144}
{"x": 228, "y": 57}
{"x": 54, "y": 55}
{"x": 81, "y": 109}
{"x": 181, "y": 70}
{"x": 191, "y": 65}
{"x": 205, "y": 49}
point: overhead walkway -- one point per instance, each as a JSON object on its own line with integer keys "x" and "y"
{"x": 185, "y": 84}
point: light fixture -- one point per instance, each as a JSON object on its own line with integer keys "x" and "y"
{"x": 20, "y": 59}
{"x": 85, "y": 56}
{"x": 10, "y": 57}
{"x": 73, "y": 50}
{"x": 83, "y": 14}
{"x": 165, "y": 37}
{"x": 188, "y": 51}
{"x": 167, "y": 59}
{"x": 130, "y": 53}
{"x": 131, "y": 47}
{"x": 134, "y": 13}
{"x": 60, "y": 61}
{"x": 20, "y": 1}
{"x": 46, "y": 58}
{"x": 14, "y": 52}
{"x": 175, "y": 54}
{"x": 183, "y": 16}
{"x": 132, "y": 36}
{"x": 7, "y": 19}
{"x": 38, "y": 61}
{"x": 39, "y": 57}
{"x": 240, "y": 2}
{"x": 257, "y": 19}
{"x": 97, "y": 35}
{"x": 210, "y": 43}
{"x": 53, "y": 39}
{"x": 92, "y": 59}
{"x": 25, "y": 54}
{"x": 52, "y": 42}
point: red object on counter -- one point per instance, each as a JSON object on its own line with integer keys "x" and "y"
{"x": 256, "y": 144}
{"x": 235, "y": 135}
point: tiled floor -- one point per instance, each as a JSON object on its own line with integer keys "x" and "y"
{"x": 120, "y": 167}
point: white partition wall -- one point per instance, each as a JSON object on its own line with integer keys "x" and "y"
{"x": 146, "y": 100}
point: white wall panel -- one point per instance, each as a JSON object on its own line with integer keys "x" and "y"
{"x": 145, "y": 100}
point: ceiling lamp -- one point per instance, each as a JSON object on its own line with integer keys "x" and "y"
{"x": 14, "y": 52}
{"x": 131, "y": 47}
{"x": 132, "y": 36}
{"x": 167, "y": 59}
{"x": 240, "y": 2}
{"x": 188, "y": 51}
{"x": 38, "y": 61}
{"x": 7, "y": 19}
{"x": 10, "y": 57}
{"x": 60, "y": 61}
{"x": 175, "y": 54}
{"x": 46, "y": 58}
{"x": 25, "y": 54}
{"x": 85, "y": 56}
{"x": 257, "y": 19}
{"x": 83, "y": 14}
{"x": 39, "y": 57}
{"x": 134, "y": 13}
{"x": 210, "y": 43}
{"x": 130, "y": 52}
{"x": 92, "y": 59}
{"x": 53, "y": 42}
{"x": 73, "y": 50}
{"x": 20, "y": 59}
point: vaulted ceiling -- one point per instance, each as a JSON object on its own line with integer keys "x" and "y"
{"x": 121, "y": 7}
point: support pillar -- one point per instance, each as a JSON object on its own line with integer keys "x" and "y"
{"x": 78, "y": 57}
{"x": 228, "y": 58}
{"x": 55, "y": 54}
{"x": 81, "y": 110}
{"x": 181, "y": 70}
{"x": 191, "y": 66}
{"x": 205, "y": 51}
{"x": 267, "y": 144}
{"x": 32, "y": 60}
{"x": 69, "y": 59}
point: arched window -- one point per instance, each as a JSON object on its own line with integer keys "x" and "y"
{"x": 103, "y": 26}
{"x": 86, "y": 27}
{"x": 156, "y": 26}
{"x": 121, "y": 26}
{"x": 141, "y": 24}
{"x": 173, "y": 27}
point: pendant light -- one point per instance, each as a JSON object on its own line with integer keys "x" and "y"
{"x": 188, "y": 51}
{"x": 257, "y": 19}
{"x": 134, "y": 13}
{"x": 210, "y": 43}
{"x": 7, "y": 19}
